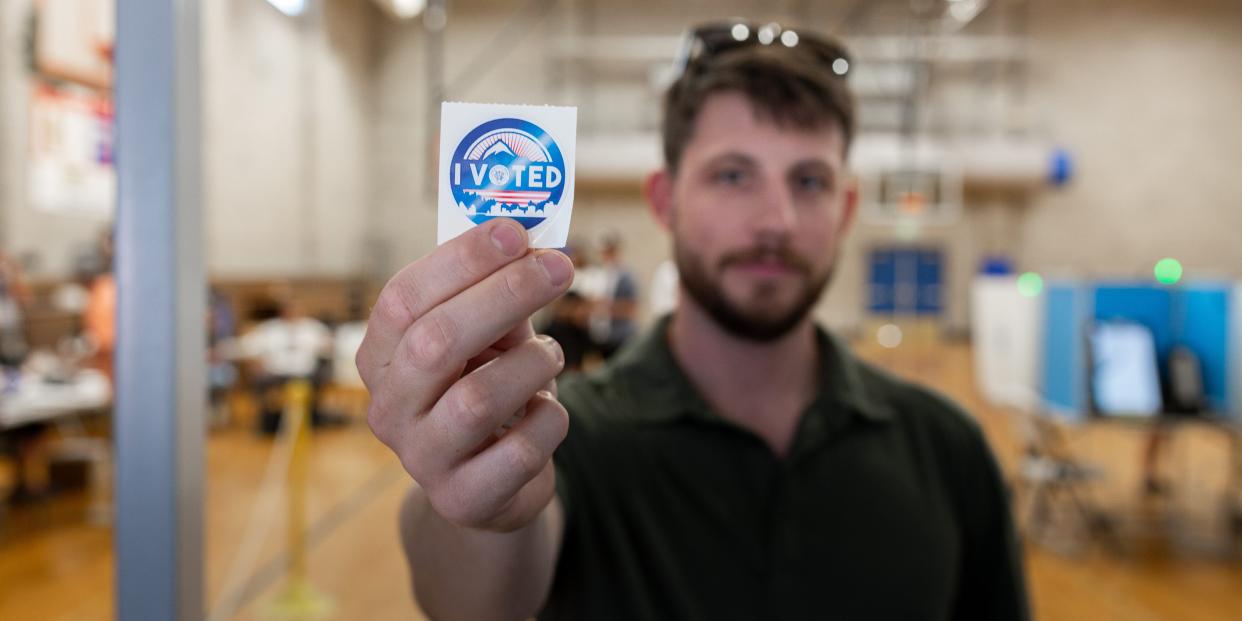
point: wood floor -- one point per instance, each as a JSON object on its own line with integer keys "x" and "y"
{"x": 55, "y": 567}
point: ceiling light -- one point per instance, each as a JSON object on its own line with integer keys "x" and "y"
{"x": 767, "y": 34}
{"x": 405, "y": 9}
{"x": 292, "y": 8}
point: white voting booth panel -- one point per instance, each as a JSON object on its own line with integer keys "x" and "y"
{"x": 1007, "y": 330}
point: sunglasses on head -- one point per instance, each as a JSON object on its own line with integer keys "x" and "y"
{"x": 706, "y": 41}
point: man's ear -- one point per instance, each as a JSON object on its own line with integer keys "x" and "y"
{"x": 850, "y": 206}
{"x": 658, "y": 190}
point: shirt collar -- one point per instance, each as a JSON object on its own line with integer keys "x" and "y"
{"x": 660, "y": 391}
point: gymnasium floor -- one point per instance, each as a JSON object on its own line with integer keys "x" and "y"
{"x": 54, "y": 567}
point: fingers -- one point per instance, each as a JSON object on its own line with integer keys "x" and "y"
{"x": 434, "y": 351}
{"x": 428, "y": 282}
{"x": 479, "y": 403}
{"x": 513, "y": 477}
{"x": 516, "y": 336}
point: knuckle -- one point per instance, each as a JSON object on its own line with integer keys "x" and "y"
{"x": 403, "y": 447}
{"x": 471, "y": 405}
{"x": 519, "y": 283}
{"x": 430, "y": 343}
{"x": 476, "y": 261}
{"x": 525, "y": 458}
{"x": 416, "y": 468}
{"x": 381, "y": 422}
{"x": 360, "y": 357}
{"x": 375, "y": 418}
{"x": 453, "y": 504}
{"x": 361, "y": 362}
{"x": 394, "y": 305}
{"x": 378, "y": 415}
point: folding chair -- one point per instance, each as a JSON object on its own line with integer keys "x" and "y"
{"x": 1051, "y": 482}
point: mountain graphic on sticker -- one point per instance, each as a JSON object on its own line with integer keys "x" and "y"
{"x": 498, "y": 147}
{"x": 508, "y": 168}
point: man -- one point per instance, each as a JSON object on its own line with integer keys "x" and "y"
{"x": 613, "y": 322}
{"x": 287, "y": 347}
{"x": 15, "y": 297}
{"x": 733, "y": 463}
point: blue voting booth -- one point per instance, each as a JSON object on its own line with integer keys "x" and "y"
{"x": 1205, "y": 317}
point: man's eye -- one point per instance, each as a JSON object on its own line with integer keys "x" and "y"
{"x": 730, "y": 176}
{"x": 812, "y": 183}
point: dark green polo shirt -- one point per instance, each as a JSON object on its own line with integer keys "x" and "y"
{"x": 889, "y": 505}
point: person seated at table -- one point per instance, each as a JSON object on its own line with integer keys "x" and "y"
{"x": 290, "y": 346}
{"x": 99, "y": 316}
{"x": 221, "y": 371}
{"x": 14, "y": 299}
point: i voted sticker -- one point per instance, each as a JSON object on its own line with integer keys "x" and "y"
{"x": 507, "y": 161}
{"x": 508, "y": 167}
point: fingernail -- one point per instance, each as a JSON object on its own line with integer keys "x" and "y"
{"x": 507, "y": 239}
{"x": 557, "y": 266}
{"x": 551, "y": 343}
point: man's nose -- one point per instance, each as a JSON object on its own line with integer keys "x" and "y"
{"x": 777, "y": 213}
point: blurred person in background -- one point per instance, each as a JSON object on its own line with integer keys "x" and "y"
{"x": 73, "y": 295}
{"x": 347, "y": 339}
{"x": 588, "y": 281}
{"x": 571, "y": 314}
{"x": 734, "y": 462}
{"x": 15, "y": 298}
{"x": 615, "y": 303}
{"x": 99, "y": 315}
{"x": 30, "y": 477}
{"x": 221, "y": 371}
{"x": 289, "y": 346}
{"x": 663, "y": 297}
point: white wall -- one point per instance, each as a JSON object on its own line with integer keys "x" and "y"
{"x": 288, "y": 108}
{"x": 1147, "y": 95}
{"x": 404, "y": 226}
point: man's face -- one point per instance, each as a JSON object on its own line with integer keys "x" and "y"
{"x": 757, "y": 212}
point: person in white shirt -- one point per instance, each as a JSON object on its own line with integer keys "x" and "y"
{"x": 290, "y": 345}
{"x": 664, "y": 282}
{"x": 287, "y": 347}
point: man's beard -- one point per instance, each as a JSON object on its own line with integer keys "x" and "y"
{"x": 757, "y": 326}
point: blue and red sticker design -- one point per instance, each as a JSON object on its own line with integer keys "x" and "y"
{"x": 508, "y": 168}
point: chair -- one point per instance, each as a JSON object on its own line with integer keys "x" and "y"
{"x": 76, "y": 444}
{"x": 1051, "y": 481}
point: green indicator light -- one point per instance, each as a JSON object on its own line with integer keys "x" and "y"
{"x": 1030, "y": 284}
{"x": 1168, "y": 271}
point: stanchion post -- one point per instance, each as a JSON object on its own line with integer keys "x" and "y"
{"x": 298, "y": 600}
{"x": 298, "y": 404}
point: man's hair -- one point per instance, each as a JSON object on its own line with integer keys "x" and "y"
{"x": 785, "y": 86}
